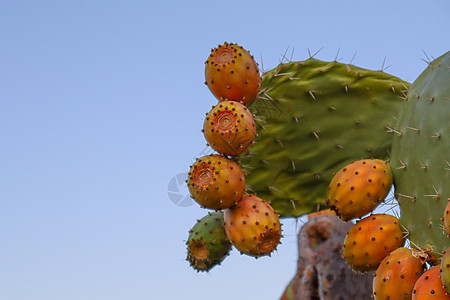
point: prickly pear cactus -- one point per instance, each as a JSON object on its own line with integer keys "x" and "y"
{"x": 313, "y": 117}
{"x": 420, "y": 156}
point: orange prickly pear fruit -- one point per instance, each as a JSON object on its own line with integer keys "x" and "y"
{"x": 231, "y": 73}
{"x": 370, "y": 240}
{"x": 252, "y": 226}
{"x": 359, "y": 187}
{"x": 429, "y": 286}
{"x": 396, "y": 275}
{"x": 229, "y": 128}
{"x": 216, "y": 182}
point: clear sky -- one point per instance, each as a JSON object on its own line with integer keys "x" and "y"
{"x": 101, "y": 105}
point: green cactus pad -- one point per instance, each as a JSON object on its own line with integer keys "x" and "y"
{"x": 313, "y": 118}
{"x": 420, "y": 156}
{"x": 208, "y": 244}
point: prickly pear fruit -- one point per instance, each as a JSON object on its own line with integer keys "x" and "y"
{"x": 359, "y": 187}
{"x": 231, "y": 73}
{"x": 253, "y": 226}
{"x": 208, "y": 244}
{"x": 229, "y": 128}
{"x": 396, "y": 275}
{"x": 429, "y": 286}
{"x": 446, "y": 219}
{"x": 216, "y": 182}
{"x": 445, "y": 269}
{"x": 370, "y": 240}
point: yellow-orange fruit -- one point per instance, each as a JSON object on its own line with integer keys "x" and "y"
{"x": 359, "y": 187}
{"x": 216, "y": 182}
{"x": 229, "y": 128}
{"x": 231, "y": 73}
{"x": 370, "y": 240}
{"x": 429, "y": 286}
{"x": 252, "y": 226}
{"x": 396, "y": 275}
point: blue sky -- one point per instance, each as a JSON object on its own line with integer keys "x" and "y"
{"x": 101, "y": 105}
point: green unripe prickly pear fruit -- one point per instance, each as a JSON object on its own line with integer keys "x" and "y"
{"x": 207, "y": 244}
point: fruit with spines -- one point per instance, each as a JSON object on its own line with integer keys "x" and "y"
{"x": 429, "y": 286}
{"x": 207, "y": 244}
{"x": 229, "y": 128}
{"x": 445, "y": 269}
{"x": 253, "y": 226}
{"x": 231, "y": 73}
{"x": 216, "y": 182}
{"x": 396, "y": 275}
{"x": 370, "y": 240}
{"x": 359, "y": 187}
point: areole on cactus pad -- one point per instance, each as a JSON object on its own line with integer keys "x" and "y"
{"x": 207, "y": 244}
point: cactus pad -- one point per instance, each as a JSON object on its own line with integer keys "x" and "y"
{"x": 314, "y": 117}
{"x": 420, "y": 156}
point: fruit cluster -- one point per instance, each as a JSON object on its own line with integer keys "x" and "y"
{"x": 217, "y": 181}
{"x": 376, "y": 241}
